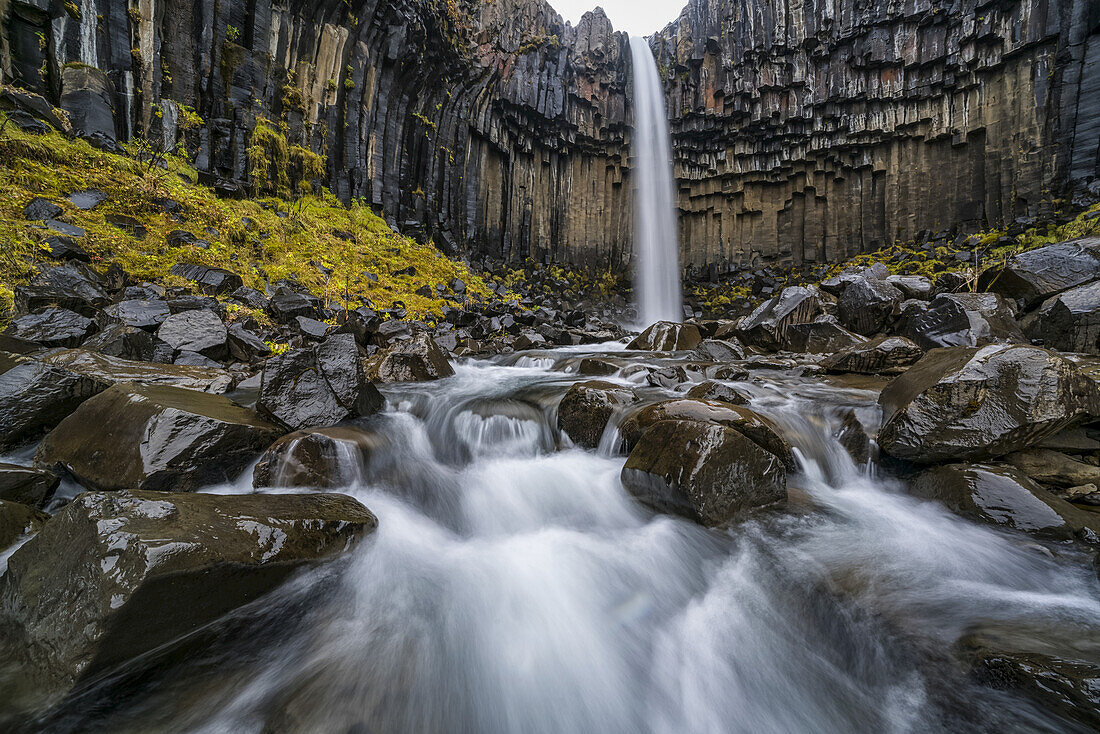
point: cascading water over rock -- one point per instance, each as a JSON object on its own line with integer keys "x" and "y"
{"x": 656, "y": 251}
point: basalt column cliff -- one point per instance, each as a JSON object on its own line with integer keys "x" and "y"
{"x": 803, "y": 130}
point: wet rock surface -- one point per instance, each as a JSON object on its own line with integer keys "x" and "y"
{"x": 1038, "y": 274}
{"x": 884, "y": 355}
{"x": 156, "y": 437}
{"x": 666, "y": 336}
{"x": 111, "y": 561}
{"x": 35, "y": 396}
{"x": 26, "y": 485}
{"x": 417, "y": 360}
{"x": 18, "y": 520}
{"x": 318, "y": 458}
{"x": 964, "y": 319}
{"x": 703, "y": 471}
{"x": 767, "y": 326}
{"x": 586, "y": 408}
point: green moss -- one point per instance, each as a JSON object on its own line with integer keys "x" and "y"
{"x": 272, "y": 248}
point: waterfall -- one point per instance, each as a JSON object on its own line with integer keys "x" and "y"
{"x": 656, "y": 251}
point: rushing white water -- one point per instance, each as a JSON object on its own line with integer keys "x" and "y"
{"x": 513, "y": 586}
{"x": 656, "y": 251}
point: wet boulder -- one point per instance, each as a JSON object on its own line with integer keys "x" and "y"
{"x": 705, "y": 472}
{"x": 587, "y": 407}
{"x": 884, "y": 355}
{"x": 719, "y": 350}
{"x": 199, "y": 331}
{"x": 1002, "y": 496}
{"x": 318, "y": 386}
{"x": 317, "y": 458}
{"x": 211, "y": 281}
{"x": 138, "y": 313}
{"x": 74, "y": 286}
{"x": 127, "y": 342}
{"x": 1033, "y": 276}
{"x": 245, "y": 346}
{"x": 17, "y": 520}
{"x": 823, "y": 335}
{"x": 53, "y": 327}
{"x": 978, "y": 403}
{"x": 710, "y": 390}
{"x": 119, "y": 574}
{"x": 35, "y": 396}
{"x": 597, "y": 367}
{"x": 963, "y": 320}
{"x": 852, "y": 436}
{"x": 867, "y": 305}
{"x": 1054, "y": 468}
{"x": 156, "y": 437}
{"x": 667, "y": 377}
{"x": 286, "y": 305}
{"x": 41, "y": 209}
{"x": 912, "y": 286}
{"x": 767, "y": 326}
{"x": 417, "y": 360}
{"x": 61, "y": 247}
{"x": 26, "y": 484}
{"x": 667, "y": 336}
{"x": 749, "y": 423}
{"x": 1069, "y": 321}
{"x": 110, "y": 370}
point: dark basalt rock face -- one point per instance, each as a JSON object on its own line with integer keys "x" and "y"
{"x": 867, "y": 304}
{"x": 109, "y": 370}
{"x": 35, "y": 396}
{"x": 963, "y": 319}
{"x": 719, "y": 350}
{"x": 886, "y": 354}
{"x": 586, "y": 408}
{"x": 318, "y": 458}
{"x": 317, "y": 386}
{"x": 702, "y": 471}
{"x": 1035, "y": 275}
{"x": 212, "y": 281}
{"x": 667, "y": 336}
{"x": 717, "y": 391}
{"x": 498, "y": 128}
{"x": 112, "y": 561}
{"x": 73, "y": 287}
{"x": 138, "y": 313}
{"x": 53, "y": 327}
{"x": 26, "y": 485}
{"x": 767, "y": 326}
{"x": 1069, "y": 321}
{"x": 17, "y": 520}
{"x": 418, "y": 360}
{"x": 978, "y": 403}
{"x": 156, "y": 437}
{"x": 199, "y": 331}
{"x": 1002, "y": 496}
{"x": 821, "y": 336}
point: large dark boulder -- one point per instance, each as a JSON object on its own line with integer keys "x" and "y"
{"x": 26, "y": 484}
{"x": 1069, "y": 321}
{"x": 318, "y": 458}
{"x": 767, "y": 326}
{"x": 75, "y": 287}
{"x": 87, "y": 97}
{"x": 1002, "y": 496}
{"x": 110, "y": 370}
{"x": 912, "y": 286}
{"x": 246, "y": 346}
{"x": 156, "y": 437}
{"x": 127, "y": 342}
{"x": 17, "y": 520}
{"x": 211, "y": 281}
{"x": 35, "y": 396}
{"x": 884, "y": 355}
{"x": 702, "y": 471}
{"x": 667, "y": 336}
{"x": 709, "y": 390}
{"x": 867, "y": 304}
{"x": 41, "y": 209}
{"x": 119, "y": 574}
{"x": 719, "y": 350}
{"x": 963, "y": 320}
{"x": 586, "y": 408}
{"x": 824, "y": 335}
{"x": 53, "y": 327}
{"x": 417, "y": 360}
{"x": 199, "y": 331}
{"x": 317, "y": 386}
{"x": 286, "y": 305}
{"x": 1036, "y": 275}
{"x": 978, "y": 403}
{"x": 749, "y": 423}
{"x": 138, "y": 313}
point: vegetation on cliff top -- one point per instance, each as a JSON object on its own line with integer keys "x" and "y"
{"x": 335, "y": 251}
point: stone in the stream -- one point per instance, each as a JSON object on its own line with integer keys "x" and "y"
{"x": 719, "y": 350}
{"x": 27, "y": 485}
{"x": 978, "y": 403}
{"x": 586, "y": 408}
{"x": 852, "y": 436}
{"x": 110, "y": 370}
{"x": 596, "y": 367}
{"x": 211, "y": 281}
{"x": 417, "y": 360}
{"x": 1003, "y": 496}
{"x": 703, "y": 471}
{"x": 318, "y": 386}
{"x": 319, "y": 458}
{"x": 885, "y": 354}
{"x": 156, "y": 437}
{"x": 963, "y": 320}
{"x": 35, "y": 396}
{"x": 118, "y": 574}
{"x": 867, "y": 304}
{"x": 767, "y": 326}
{"x": 748, "y": 422}
{"x": 53, "y": 327}
{"x": 710, "y": 390}
{"x": 823, "y": 335}
{"x": 17, "y": 520}
{"x": 667, "y": 377}
{"x": 1069, "y": 321}
{"x": 1054, "y": 467}
{"x": 199, "y": 331}
{"x": 667, "y": 336}
{"x": 1036, "y": 275}
{"x": 73, "y": 286}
